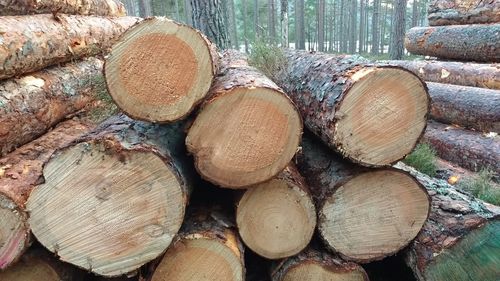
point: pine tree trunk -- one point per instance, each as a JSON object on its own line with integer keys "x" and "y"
{"x": 112, "y": 8}
{"x": 145, "y": 8}
{"x": 284, "y": 23}
{"x": 480, "y": 42}
{"x": 133, "y": 180}
{"x": 321, "y": 25}
{"x": 375, "y": 27}
{"x": 34, "y": 103}
{"x": 451, "y": 12}
{"x": 208, "y": 17}
{"x": 256, "y": 11}
{"x": 384, "y": 27}
{"x": 20, "y": 171}
{"x": 245, "y": 34}
{"x": 271, "y": 21}
{"x": 188, "y": 13}
{"x": 299, "y": 26}
{"x": 352, "y": 26}
{"x": 31, "y": 43}
{"x": 234, "y": 26}
{"x": 362, "y": 11}
{"x": 398, "y": 30}
{"x": 414, "y": 13}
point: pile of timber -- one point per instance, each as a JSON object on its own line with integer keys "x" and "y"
{"x": 134, "y": 197}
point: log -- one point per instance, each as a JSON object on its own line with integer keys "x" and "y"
{"x": 363, "y": 214}
{"x": 449, "y": 12}
{"x": 472, "y": 150}
{"x": 31, "y": 43}
{"x": 113, "y": 8}
{"x": 133, "y": 183}
{"x": 312, "y": 264}
{"x": 460, "y": 240}
{"x": 475, "y": 42}
{"x": 20, "y": 171}
{"x": 160, "y": 84}
{"x": 32, "y": 104}
{"x": 277, "y": 218}
{"x": 207, "y": 248}
{"x": 469, "y": 107}
{"x": 457, "y": 73}
{"x": 371, "y": 114}
{"x": 247, "y": 131}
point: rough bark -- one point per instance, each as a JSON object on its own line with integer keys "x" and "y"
{"x": 460, "y": 239}
{"x": 208, "y": 17}
{"x": 247, "y": 130}
{"x": 362, "y": 232}
{"x": 20, "y": 171}
{"x": 375, "y": 27}
{"x": 31, "y": 43}
{"x": 398, "y": 30}
{"x": 312, "y": 264}
{"x": 32, "y": 104}
{"x": 133, "y": 181}
{"x": 469, "y": 107}
{"x": 449, "y": 12}
{"x": 457, "y": 73}
{"x": 469, "y": 149}
{"x": 478, "y": 42}
{"x": 323, "y": 85}
{"x": 112, "y": 8}
{"x": 284, "y": 23}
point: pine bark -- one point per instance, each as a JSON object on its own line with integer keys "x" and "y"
{"x": 398, "y": 30}
{"x": 208, "y": 17}
{"x": 20, "y": 172}
{"x": 362, "y": 11}
{"x": 32, "y": 104}
{"x": 34, "y": 42}
{"x": 469, "y": 149}
{"x": 321, "y": 25}
{"x": 300, "y": 26}
{"x": 469, "y": 107}
{"x": 284, "y": 23}
{"x": 457, "y": 73}
{"x": 113, "y": 8}
{"x": 450, "y": 12}
{"x": 375, "y": 27}
{"x": 479, "y": 42}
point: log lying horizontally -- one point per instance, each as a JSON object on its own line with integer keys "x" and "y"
{"x": 31, "y": 43}
{"x": 124, "y": 187}
{"x": 160, "y": 70}
{"x": 277, "y": 218}
{"x": 371, "y": 114}
{"x": 469, "y": 107}
{"x": 363, "y": 214}
{"x": 457, "y": 73}
{"x": 461, "y": 238}
{"x": 312, "y": 264}
{"x": 475, "y": 42}
{"x": 471, "y": 150}
{"x": 112, "y": 8}
{"x": 32, "y": 104}
{"x": 247, "y": 131}
{"x": 20, "y": 171}
{"x": 448, "y": 12}
{"x": 207, "y": 248}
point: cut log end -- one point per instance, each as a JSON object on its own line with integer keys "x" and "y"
{"x": 244, "y": 136}
{"x": 373, "y": 215}
{"x": 276, "y": 219}
{"x": 201, "y": 258}
{"x": 33, "y": 269}
{"x": 159, "y": 84}
{"x": 382, "y": 116}
{"x": 14, "y": 233}
{"x": 105, "y": 208}
{"x": 317, "y": 271}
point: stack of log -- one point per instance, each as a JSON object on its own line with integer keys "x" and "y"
{"x": 465, "y": 93}
{"x": 113, "y": 200}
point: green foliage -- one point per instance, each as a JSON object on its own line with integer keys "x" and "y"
{"x": 423, "y": 158}
{"x": 481, "y": 187}
{"x": 269, "y": 59}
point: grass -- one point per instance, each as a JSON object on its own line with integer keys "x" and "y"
{"x": 482, "y": 188}
{"x": 269, "y": 59}
{"x": 423, "y": 158}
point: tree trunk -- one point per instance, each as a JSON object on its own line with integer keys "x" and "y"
{"x": 458, "y": 73}
{"x": 256, "y": 19}
{"x": 32, "y": 104}
{"x": 31, "y": 43}
{"x": 145, "y": 8}
{"x": 373, "y": 127}
{"x": 357, "y": 224}
{"x": 352, "y": 26}
{"x": 271, "y": 21}
{"x": 469, "y": 107}
{"x": 362, "y": 11}
{"x": 375, "y": 27}
{"x": 208, "y": 17}
{"x": 284, "y": 23}
{"x": 459, "y": 241}
{"x": 133, "y": 181}
{"x": 384, "y": 25}
{"x": 112, "y": 8}
{"x": 277, "y": 218}
{"x": 312, "y": 264}
{"x": 414, "y": 13}
{"x": 450, "y": 12}
{"x": 247, "y": 131}
{"x": 245, "y": 34}
{"x": 468, "y": 149}
{"x": 398, "y": 30}
{"x": 207, "y": 248}
{"x": 20, "y": 171}
{"x": 188, "y": 13}
{"x": 165, "y": 86}
{"x": 299, "y": 25}
{"x": 461, "y": 42}
{"x": 321, "y": 25}
{"x": 233, "y": 25}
